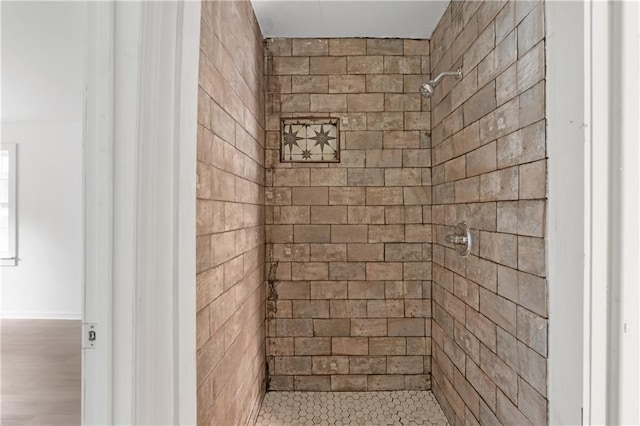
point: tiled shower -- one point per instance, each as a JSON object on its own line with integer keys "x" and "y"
{"x": 333, "y": 273}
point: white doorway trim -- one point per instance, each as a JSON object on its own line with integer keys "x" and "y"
{"x": 567, "y": 237}
{"x": 97, "y": 382}
{"x": 623, "y": 337}
{"x": 593, "y": 112}
{"x": 140, "y": 172}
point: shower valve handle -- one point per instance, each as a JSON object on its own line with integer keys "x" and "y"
{"x": 457, "y": 239}
{"x": 461, "y": 239}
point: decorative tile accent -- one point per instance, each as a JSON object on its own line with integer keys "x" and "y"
{"x": 310, "y": 140}
{"x": 350, "y": 408}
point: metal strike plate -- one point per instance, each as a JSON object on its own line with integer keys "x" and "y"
{"x": 89, "y": 335}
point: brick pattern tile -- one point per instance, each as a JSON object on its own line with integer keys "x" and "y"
{"x": 353, "y": 239}
{"x": 230, "y": 215}
{"x": 490, "y": 321}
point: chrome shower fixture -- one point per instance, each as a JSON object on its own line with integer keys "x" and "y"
{"x": 427, "y": 88}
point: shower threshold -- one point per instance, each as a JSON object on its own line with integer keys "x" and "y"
{"x": 350, "y": 408}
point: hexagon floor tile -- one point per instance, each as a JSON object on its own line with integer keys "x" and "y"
{"x": 350, "y": 408}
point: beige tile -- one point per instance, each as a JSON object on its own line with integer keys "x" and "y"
{"x": 507, "y": 412}
{"x": 347, "y": 308}
{"x": 531, "y": 67}
{"x": 364, "y": 140}
{"x": 403, "y": 177}
{"x": 328, "y": 252}
{"x": 328, "y": 290}
{"x": 328, "y": 177}
{"x": 312, "y": 383}
{"x": 367, "y": 365}
{"x": 347, "y": 271}
{"x": 385, "y": 121}
{"x": 508, "y": 283}
{"x": 412, "y": 120}
{"x": 416, "y": 157}
{"x": 416, "y": 47}
{"x": 481, "y": 327}
{"x": 350, "y": 345}
{"x": 309, "y": 47}
{"x": 365, "y": 252}
{"x": 347, "y": 84}
{"x": 499, "y": 185}
{"x": 500, "y": 373}
{"x": 292, "y": 290}
{"x": 385, "y": 382}
{"x": 365, "y": 64}
{"x": 277, "y": 346}
{"x": 384, "y": 196}
{"x": 327, "y": 65}
{"x": 309, "y": 84}
{"x": 366, "y": 290}
{"x": 366, "y": 215}
{"x": 311, "y": 196}
{"x": 291, "y": 215}
{"x": 293, "y": 365}
{"x": 348, "y": 383}
{"x": 294, "y": 327}
{"x": 531, "y": 29}
{"x": 402, "y": 64}
{"x": 347, "y": 46}
{"x": 329, "y": 214}
{"x": 533, "y": 368}
{"x": 366, "y": 177}
{"x": 532, "y": 105}
{"x": 481, "y": 382}
{"x": 531, "y": 403}
{"x": 312, "y": 233}
{"x": 506, "y": 85}
{"x": 347, "y": 196}
{"x": 365, "y": 102}
{"x": 381, "y": 46}
{"x": 278, "y": 46}
{"x": 290, "y": 65}
{"x": 531, "y": 255}
{"x": 385, "y": 83}
{"x": 480, "y": 104}
{"x": 330, "y": 364}
{"x": 368, "y": 327}
{"x": 328, "y": 103}
{"x": 533, "y": 177}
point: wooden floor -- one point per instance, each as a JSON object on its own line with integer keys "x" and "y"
{"x": 40, "y": 370}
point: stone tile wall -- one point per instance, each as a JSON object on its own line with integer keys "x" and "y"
{"x": 489, "y": 168}
{"x": 230, "y": 215}
{"x": 353, "y": 239}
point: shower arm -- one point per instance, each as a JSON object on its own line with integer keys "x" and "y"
{"x": 440, "y": 76}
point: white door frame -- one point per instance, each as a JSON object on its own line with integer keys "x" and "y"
{"x": 140, "y": 173}
{"x": 566, "y": 227}
{"x": 624, "y": 341}
{"x": 593, "y": 117}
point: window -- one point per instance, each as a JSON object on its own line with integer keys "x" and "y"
{"x": 8, "y": 222}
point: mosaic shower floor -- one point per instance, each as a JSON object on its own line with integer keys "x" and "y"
{"x": 350, "y": 408}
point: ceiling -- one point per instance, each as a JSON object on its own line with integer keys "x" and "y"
{"x": 355, "y": 18}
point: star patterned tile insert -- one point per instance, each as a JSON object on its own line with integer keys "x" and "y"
{"x": 350, "y": 408}
{"x": 310, "y": 140}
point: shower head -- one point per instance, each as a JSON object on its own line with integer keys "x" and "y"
{"x": 427, "y": 88}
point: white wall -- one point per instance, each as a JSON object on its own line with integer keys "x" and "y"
{"x": 42, "y": 84}
{"x": 566, "y": 239}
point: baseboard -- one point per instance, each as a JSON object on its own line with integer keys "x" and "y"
{"x": 41, "y": 315}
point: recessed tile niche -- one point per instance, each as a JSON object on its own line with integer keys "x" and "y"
{"x": 310, "y": 140}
